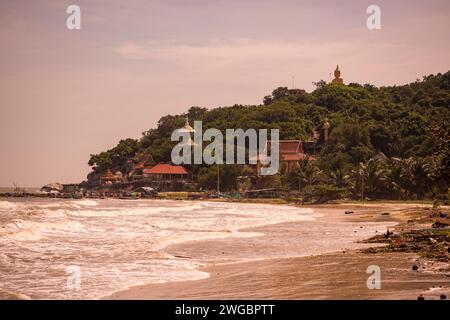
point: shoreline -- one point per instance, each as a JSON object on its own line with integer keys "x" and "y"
{"x": 343, "y": 276}
{"x": 279, "y": 278}
{"x": 274, "y": 200}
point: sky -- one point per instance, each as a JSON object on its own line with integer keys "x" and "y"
{"x": 66, "y": 94}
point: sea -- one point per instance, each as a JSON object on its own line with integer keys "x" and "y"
{"x": 86, "y": 249}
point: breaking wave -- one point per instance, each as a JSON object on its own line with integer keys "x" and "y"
{"x": 116, "y": 244}
{"x": 7, "y": 205}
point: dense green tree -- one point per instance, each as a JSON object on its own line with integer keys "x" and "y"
{"x": 408, "y": 123}
{"x": 440, "y": 133}
{"x": 115, "y": 157}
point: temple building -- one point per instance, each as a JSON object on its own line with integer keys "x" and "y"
{"x": 290, "y": 153}
{"x": 293, "y": 151}
{"x": 337, "y": 77}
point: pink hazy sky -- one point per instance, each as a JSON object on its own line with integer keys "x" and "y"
{"x": 66, "y": 94}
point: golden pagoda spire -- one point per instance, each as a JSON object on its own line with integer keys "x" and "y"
{"x": 187, "y": 127}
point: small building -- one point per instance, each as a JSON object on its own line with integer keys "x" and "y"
{"x": 70, "y": 188}
{"x": 166, "y": 172}
{"x": 109, "y": 178}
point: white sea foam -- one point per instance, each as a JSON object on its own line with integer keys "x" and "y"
{"x": 118, "y": 244}
{"x": 24, "y": 230}
{"x": 7, "y": 205}
{"x": 85, "y": 202}
{"x": 25, "y": 235}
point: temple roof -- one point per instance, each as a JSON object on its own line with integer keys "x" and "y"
{"x": 289, "y": 150}
{"x": 288, "y": 146}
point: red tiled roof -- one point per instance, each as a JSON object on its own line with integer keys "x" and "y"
{"x": 165, "y": 169}
{"x": 292, "y": 157}
{"x": 290, "y": 150}
{"x": 288, "y": 146}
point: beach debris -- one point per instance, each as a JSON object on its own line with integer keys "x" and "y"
{"x": 385, "y": 214}
{"x": 438, "y": 225}
{"x": 415, "y": 267}
{"x": 349, "y": 212}
{"x": 388, "y": 233}
{"x": 182, "y": 257}
{"x": 443, "y": 297}
{"x": 442, "y": 215}
{"x": 421, "y": 297}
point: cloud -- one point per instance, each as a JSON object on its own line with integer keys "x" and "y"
{"x": 224, "y": 53}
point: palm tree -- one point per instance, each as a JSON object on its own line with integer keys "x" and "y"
{"x": 304, "y": 174}
{"x": 393, "y": 178}
{"x": 415, "y": 177}
{"x": 339, "y": 178}
{"x": 409, "y": 177}
{"x": 375, "y": 178}
{"x": 370, "y": 176}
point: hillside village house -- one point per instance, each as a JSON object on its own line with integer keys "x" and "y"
{"x": 166, "y": 172}
{"x": 109, "y": 178}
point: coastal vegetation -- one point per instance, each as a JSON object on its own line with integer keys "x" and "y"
{"x": 384, "y": 143}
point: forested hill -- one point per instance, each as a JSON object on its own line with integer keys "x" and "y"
{"x": 364, "y": 120}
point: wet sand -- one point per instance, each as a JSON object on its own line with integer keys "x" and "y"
{"x": 329, "y": 276}
{"x": 338, "y": 275}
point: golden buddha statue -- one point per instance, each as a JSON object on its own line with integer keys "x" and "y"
{"x": 337, "y": 76}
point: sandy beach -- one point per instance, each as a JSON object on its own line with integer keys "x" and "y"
{"x": 328, "y": 276}
{"x": 341, "y": 274}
